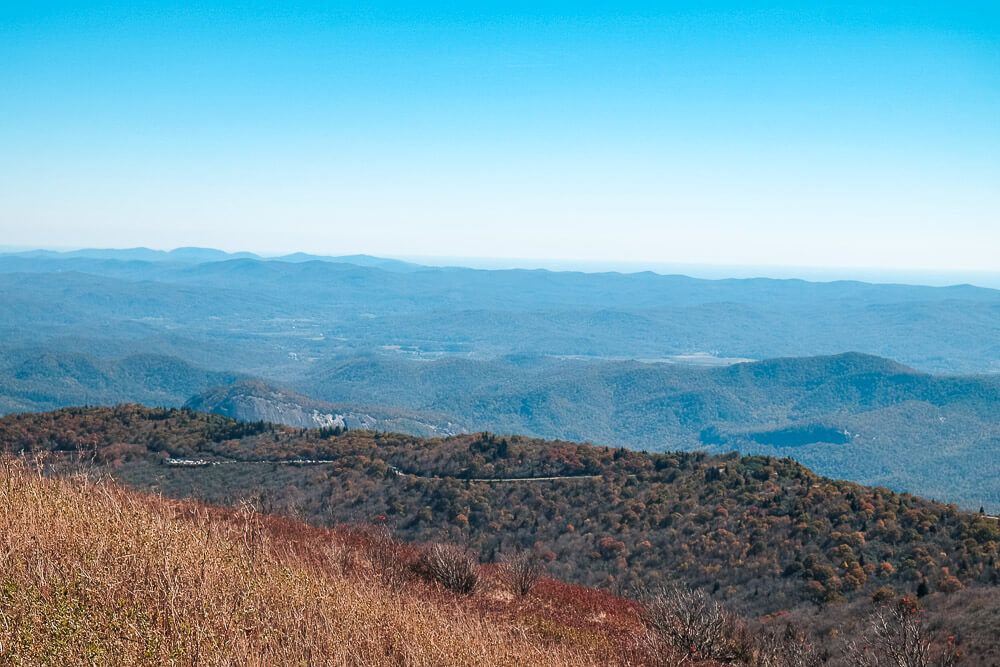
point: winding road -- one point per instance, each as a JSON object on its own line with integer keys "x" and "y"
{"x": 198, "y": 463}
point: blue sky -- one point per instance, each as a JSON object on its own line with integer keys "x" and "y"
{"x": 703, "y": 133}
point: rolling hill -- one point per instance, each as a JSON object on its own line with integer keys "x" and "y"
{"x": 852, "y": 416}
{"x": 33, "y": 380}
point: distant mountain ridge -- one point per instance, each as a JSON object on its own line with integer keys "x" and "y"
{"x": 194, "y": 255}
{"x": 357, "y": 304}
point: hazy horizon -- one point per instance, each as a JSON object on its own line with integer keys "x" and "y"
{"x": 918, "y": 276}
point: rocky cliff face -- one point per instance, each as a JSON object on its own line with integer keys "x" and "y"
{"x": 257, "y": 401}
{"x": 276, "y": 409}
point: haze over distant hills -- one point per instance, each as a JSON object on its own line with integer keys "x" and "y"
{"x": 882, "y": 275}
{"x": 192, "y": 255}
{"x": 295, "y": 311}
{"x": 640, "y": 360}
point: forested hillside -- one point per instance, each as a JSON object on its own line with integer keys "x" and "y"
{"x": 850, "y": 416}
{"x": 764, "y": 534}
{"x": 34, "y": 379}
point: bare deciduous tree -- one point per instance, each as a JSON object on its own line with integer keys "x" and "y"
{"x": 695, "y": 625}
{"x": 895, "y": 637}
{"x": 386, "y": 557}
{"x": 450, "y": 566}
{"x": 789, "y": 648}
{"x": 521, "y": 572}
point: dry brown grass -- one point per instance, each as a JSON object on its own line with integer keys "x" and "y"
{"x": 92, "y": 574}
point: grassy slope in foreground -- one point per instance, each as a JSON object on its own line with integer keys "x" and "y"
{"x": 91, "y": 573}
